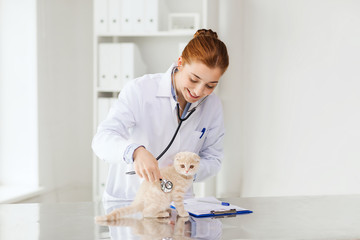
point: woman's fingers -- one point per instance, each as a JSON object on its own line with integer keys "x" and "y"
{"x": 146, "y": 166}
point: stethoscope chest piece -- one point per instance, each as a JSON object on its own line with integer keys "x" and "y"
{"x": 166, "y": 185}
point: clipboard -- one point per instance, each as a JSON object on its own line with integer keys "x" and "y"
{"x": 211, "y": 207}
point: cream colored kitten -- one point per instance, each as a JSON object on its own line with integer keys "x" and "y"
{"x": 152, "y": 201}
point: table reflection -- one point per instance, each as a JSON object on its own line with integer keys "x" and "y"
{"x": 316, "y": 217}
{"x": 174, "y": 227}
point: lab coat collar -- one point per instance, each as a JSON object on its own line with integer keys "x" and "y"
{"x": 164, "y": 89}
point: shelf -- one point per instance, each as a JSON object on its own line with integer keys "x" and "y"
{"x": 179, "y": 33}
{"x": 107, "y": 90}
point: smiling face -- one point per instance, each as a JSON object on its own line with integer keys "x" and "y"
{"x": 194, "y": 81}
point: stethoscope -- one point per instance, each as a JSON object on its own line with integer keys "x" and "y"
{"x": 166, "y": 185}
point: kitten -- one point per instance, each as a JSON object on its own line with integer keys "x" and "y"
{"x": 152, "y": 201}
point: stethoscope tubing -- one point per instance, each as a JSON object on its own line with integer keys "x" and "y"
{"x": 181, "y": 120}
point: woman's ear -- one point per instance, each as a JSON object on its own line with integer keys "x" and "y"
{"x": 179, "y": 62}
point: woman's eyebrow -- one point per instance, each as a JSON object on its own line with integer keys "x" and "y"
{"x": 196, "y": 75}
{"x": 201, "y": 79}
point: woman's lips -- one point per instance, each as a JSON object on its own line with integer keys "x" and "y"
{"x": 192, "y": 96}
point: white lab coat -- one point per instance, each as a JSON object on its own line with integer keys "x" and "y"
{"x": 145, "y": 113}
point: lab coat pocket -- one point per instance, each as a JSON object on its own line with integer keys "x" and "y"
{"x": 197, "y": 141}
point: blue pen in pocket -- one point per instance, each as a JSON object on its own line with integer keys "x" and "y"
{"x": 203, "y": 131}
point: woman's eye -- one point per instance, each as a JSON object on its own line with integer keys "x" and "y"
{"x": 192, "y": 80}
{"x": 210, "y": 87}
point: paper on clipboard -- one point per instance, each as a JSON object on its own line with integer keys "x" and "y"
{"x": 211, "y": 206}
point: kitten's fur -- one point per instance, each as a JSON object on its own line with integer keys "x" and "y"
{"x": 152, "y": 201}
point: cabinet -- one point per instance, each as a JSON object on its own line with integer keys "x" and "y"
{"x": 134, "y": 37}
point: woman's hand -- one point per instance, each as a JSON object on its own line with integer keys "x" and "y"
{"x": 146, "y": 165}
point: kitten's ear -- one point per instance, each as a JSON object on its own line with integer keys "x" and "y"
{"x": 196, "y": 157}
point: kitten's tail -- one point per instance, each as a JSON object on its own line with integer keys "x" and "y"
{"x": 117, "y": 213}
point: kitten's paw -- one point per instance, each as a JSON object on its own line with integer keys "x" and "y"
{"x": 164, "y": 214}
{"x": 183, "y": 214}
{"x": 169, "y": 211}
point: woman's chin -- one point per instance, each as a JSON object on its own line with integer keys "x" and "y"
{"x": 191, "y": 99}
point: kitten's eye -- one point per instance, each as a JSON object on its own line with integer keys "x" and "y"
{"x": 182, "y": 166}
{"x": 191, "y": 166}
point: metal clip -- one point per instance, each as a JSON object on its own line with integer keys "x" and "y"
{"x": 225, "y": 216}
{"x": 223, "y": 212}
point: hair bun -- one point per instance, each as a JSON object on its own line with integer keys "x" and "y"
{"x": 206, "y": 33}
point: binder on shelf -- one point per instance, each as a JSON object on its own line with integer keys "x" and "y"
{"x": 138, "y": 10}
{"x": 114, "y": 16}
{"x": 104, "y": 67}
{"x": 151, "y": 15}
{"x": 139, "y": 16}
{"x": 101, "y": 16}
{"x": 127, "y": 19}
{"x": 132, "y": 63}
{"x": 103, "y": 105}
{"x": 119, "y": 63}
{"x": 110, "y": 65}
{"x": 211, "y": 207}
{"x": 103, "y": 169}
{"x": 103, "y": 109}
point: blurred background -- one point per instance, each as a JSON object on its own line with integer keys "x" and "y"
{"x": 291, "y": 94}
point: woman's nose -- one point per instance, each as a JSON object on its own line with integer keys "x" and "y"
{"x": 198, "y": 90}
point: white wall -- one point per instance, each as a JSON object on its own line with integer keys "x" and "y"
{"x": 230, "y": 31}
{"x": 291, "y": 97}
{"x": 65, "y": 92}
{"x": 18, "y": 94}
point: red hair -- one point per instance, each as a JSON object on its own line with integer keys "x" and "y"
{"x": 206, "y": 48}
